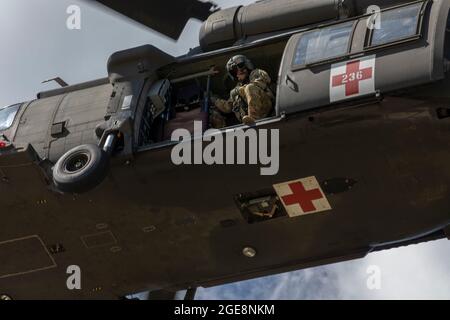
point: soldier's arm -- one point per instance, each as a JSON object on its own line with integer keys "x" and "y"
{"x": 225, "y": 106}
{"x": 260, "y": 78}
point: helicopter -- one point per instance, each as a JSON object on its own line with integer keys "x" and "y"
{"x": 360, "y": 130}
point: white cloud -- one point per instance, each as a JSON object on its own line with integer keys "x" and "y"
{"x": 414, "y": 272}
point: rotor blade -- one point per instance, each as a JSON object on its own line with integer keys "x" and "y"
{"x": 168, "y": 17}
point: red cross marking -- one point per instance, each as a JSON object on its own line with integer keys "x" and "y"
{"x": 352, "y": 77}
{"x": 302, "y": 197}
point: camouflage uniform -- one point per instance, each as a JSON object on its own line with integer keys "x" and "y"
{"x": 253, "y": 100}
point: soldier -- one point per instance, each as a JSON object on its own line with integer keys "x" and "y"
{"x": 251, "y": 99}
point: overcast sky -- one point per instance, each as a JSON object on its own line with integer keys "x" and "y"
{"x": 36, "y": 45}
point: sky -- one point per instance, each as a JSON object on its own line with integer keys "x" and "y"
{"x": 36, "y": 45}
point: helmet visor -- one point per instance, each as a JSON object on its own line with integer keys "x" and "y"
{"x": 239, "y": 66}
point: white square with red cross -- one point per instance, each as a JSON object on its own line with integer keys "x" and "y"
{"x": 352, "y": 78}
{"x": 302, "y": 196}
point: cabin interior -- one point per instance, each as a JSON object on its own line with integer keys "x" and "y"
{"x": 195, "y": 82}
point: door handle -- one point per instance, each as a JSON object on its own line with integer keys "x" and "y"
{"x": 291, "y": 83}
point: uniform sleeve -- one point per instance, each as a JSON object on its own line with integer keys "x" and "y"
{"x": 260, "y": 78}
{"x": 226, "y": 106}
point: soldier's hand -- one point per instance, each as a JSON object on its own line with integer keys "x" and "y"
{"x": 223, "y": 105}
{"x": 248, "y": 120}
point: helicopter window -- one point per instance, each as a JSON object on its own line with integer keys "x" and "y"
{"x": 397, "y": 24}
{"x": 323, "y": 44}
{"x": 7, "y": 115}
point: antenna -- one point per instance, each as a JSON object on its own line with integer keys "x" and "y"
{"x": 58, "y": 80}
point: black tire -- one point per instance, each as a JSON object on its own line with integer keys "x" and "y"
{"x": 81, "y": 169}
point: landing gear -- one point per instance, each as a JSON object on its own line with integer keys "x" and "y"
{"x": 81, "y": 169}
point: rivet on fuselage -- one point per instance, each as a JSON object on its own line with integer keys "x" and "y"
{"x": 249, "y": 252}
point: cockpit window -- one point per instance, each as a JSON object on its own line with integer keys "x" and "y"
{"x": 7, "y": 115}
{"x": 323, "y": 44}
{"x": 397, "y": 24}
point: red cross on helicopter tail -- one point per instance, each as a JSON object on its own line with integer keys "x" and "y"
{"x": 352, "y": 78}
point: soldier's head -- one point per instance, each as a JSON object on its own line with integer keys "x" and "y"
{"x": 239, "y": 68}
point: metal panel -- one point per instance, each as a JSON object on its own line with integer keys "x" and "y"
{"x": 308, "y": 88}
{"x": 81, "y": 111}
{"x": 23, "y": 256}
{"x": 34, "y": 124}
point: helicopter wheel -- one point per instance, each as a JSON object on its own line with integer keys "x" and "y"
{"x": 81, "y": 169}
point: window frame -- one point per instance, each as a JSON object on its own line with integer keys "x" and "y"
{"x": 418, "y": 34}
{"x": 297, "y": 67}
{"x": 18, "y": 106}
{"x": 367, "y": 39}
